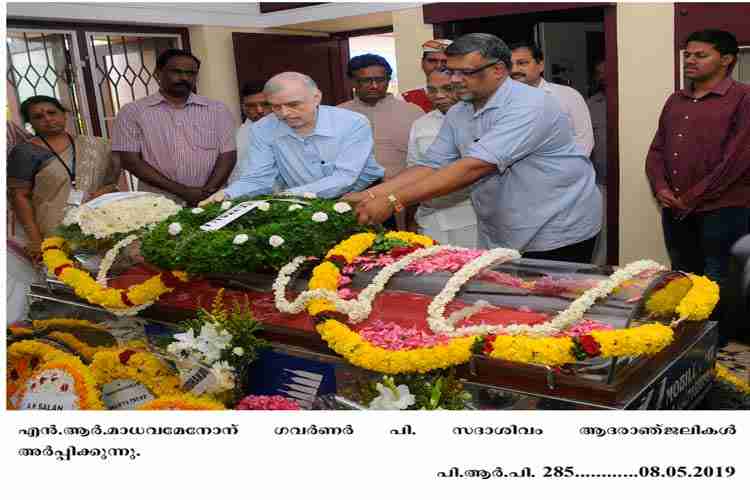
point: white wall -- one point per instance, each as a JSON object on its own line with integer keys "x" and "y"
{"x": 410, "y": 33}
{"x": 645, "y": 48}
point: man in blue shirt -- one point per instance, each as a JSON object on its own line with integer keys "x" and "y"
{"x": 307, "y": 147}
{"x": 532, "y": 189}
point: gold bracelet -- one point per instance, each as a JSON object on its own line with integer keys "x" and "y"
{"x": 369, "y": 193}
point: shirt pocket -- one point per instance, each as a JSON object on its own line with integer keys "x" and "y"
{"x": 204, "y": 138}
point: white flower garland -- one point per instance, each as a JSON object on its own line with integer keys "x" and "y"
{"x": 436, "y": 309}
{"x": 360, "y": 308}
{"x": 562, "y": 320}
{"x": 356, "y": 309}
{"x": 109, "y": 259}
{"x": 121, "y": 215}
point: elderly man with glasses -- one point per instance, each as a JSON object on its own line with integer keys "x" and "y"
{"x": 532, "y": 188}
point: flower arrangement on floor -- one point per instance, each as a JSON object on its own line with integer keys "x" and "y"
{"x": 185, "y": 402}
{"x": 277, "y": 229}
{"x": 120, "y": 302}
{"x": 724, "y": 375}
{"x": 223, "y": 341}
{"x": 540, "y": 344}
{"x": 266, "y": 403}
{"x": 437, "y": 390}
{"x": 139, "y": 366}
{"x": 37, "y": 368}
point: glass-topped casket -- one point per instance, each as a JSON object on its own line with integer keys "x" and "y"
{"x": 522, "y": 291}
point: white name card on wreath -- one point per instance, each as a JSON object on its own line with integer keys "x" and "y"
{"x": 52, "y": 389}
{"x": 122, "y": 394}
{"x": 229, "y": 216}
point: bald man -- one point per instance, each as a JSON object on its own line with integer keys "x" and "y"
{"x": 307, "y": 147}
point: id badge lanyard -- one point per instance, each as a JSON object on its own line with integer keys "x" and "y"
{"x": 70, "y": 169}
{"x": 76, "y": 196}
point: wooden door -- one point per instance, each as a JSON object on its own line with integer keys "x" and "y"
{"x": 261, "y": 56}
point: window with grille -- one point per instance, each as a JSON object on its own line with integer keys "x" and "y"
{"x": 122, "y": 68}
{"x": 91, "y": 71}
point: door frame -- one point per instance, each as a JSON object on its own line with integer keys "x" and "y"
{"x": 439, "y": 14}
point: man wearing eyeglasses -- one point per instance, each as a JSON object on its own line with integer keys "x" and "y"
{"x": 433, "y": 58}
{"x": 304, "y": 147}
{"x": 531, "y": 186}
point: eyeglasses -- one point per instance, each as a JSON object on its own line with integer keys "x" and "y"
{"x": 378, "y": 80}
{"x": 431, "y": 60}
{"x": 468, "y": 72}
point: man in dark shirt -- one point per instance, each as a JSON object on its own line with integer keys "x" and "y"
{"x": 699, "y": 161}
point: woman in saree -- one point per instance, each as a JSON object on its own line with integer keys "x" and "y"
{"x": 54, "y": 170}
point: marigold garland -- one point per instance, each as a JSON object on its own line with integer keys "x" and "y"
{"x": 140, "y": 366}
{"x": 21, "y": 364}
{"x": 550, "y": 351}
{"x": 723, "y": 374}
{"x": 84, "y": 350}
{"x": 121, "y": 302}
{"x": 700, "y": 301}
{"x": 358, "y": 352}
{"x": 89, "y": 397}
{"x": 183, "y": 402}
{"x": 663, "y": 302}
{"x": 350, "y": 344}
{"x": 65, "y": 324}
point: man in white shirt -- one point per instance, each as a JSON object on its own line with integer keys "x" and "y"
{"x": 449, "y": 219}
{"x": 254, "y": 106}
{"x": 528, "y": 66}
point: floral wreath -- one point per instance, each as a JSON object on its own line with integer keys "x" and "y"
{"x": 89, "y": 397}
{"x": 182, "y": 402}
{"x": 522, "y": 343}
{"x": 140, "y": 366}
{"x": 117, "y": 301}
{"x": 272, "y": 231}
{"x": 23, "y": 357}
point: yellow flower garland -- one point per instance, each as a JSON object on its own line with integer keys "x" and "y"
{"x": 183, "y": 402}
{"x": 358, "y": 352}
{"x": 140, "y": 366}
{"x": 700, "y": 300}
{"x": 89, "y": 397}
{"x": 350, "y": 344}
{"x": 87, "y": 288}
{"x": 84, "y": 350}
{"x": 642, "y": 340}
{"x": 65, "y": 324}
{"x": 663, "y": 302}
{"x": 723, "y": 374}
{"x": 19, "y": 368}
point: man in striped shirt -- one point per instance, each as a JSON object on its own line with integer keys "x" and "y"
{"x": 175, "y": 142}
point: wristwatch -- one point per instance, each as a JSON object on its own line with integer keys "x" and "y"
{"x": 397, "y": 206}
